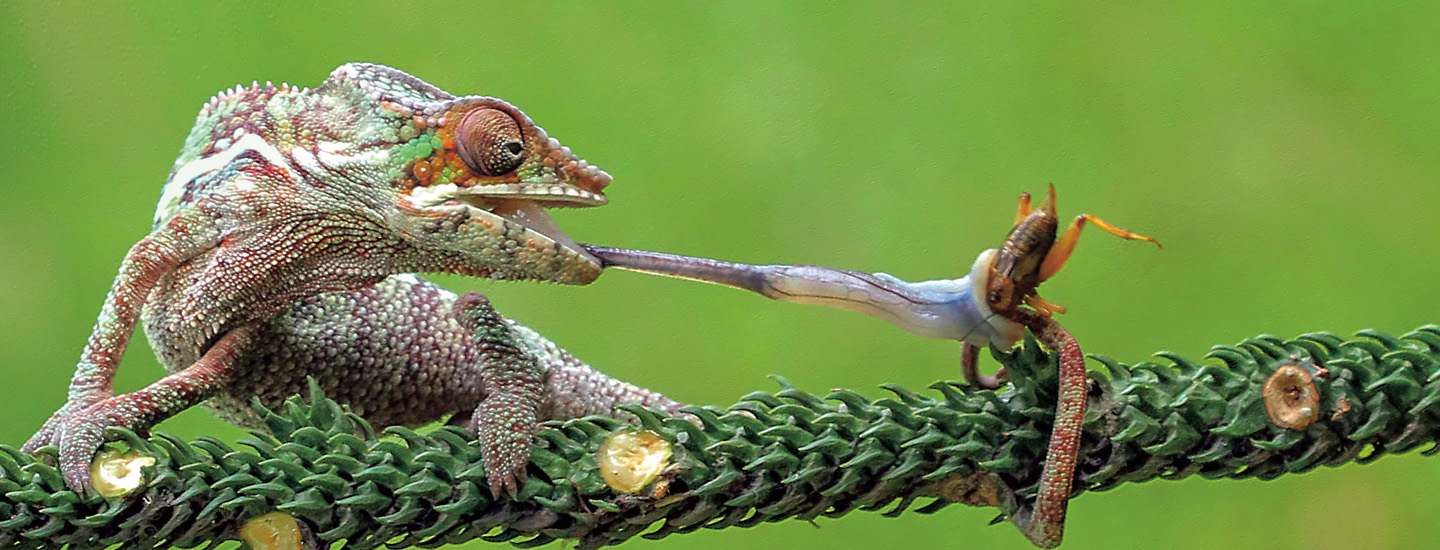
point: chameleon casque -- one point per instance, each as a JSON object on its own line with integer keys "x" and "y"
{"x": 282, "y": 247}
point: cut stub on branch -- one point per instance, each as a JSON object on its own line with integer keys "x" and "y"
{"x": 1291, "y": 399}
{"x": 631, "y": 460}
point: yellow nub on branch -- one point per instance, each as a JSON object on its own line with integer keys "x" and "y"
{"x": 116, "y": 474}
{"x": 1291, "y": 399}
{"x": 273, "y": 531}
{"x": 632, "y": 459}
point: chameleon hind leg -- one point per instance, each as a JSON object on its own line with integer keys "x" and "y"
{"x": 401, "y": 352}
{"x": 507, "y": 417}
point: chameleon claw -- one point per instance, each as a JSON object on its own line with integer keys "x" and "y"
{"x": 79, "y": 437}
{"x": 506, "y": 483}
{"x": 505, "y": 444}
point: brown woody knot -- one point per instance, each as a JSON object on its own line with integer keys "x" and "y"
{"x": 974, "y": 489}
{"x": 1291, "y": 399}
{"x": 1342, "y": 406}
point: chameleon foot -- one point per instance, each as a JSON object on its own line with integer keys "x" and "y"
{"x": 506, "y": 419}
{"x": 80, "y": 433}
{"x": 47, "y": 434}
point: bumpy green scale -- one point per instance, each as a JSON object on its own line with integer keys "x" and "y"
{"x": 770, "y": 457}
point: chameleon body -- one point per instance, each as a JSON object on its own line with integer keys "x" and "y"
{"x": 282, "y": 246}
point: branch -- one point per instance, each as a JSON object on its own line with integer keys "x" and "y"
{"x": 772, "y": 456}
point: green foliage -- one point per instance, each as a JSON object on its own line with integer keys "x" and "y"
{"x": 770, "y": 457}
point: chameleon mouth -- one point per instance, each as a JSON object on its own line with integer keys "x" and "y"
{"x": 532, "y": 216}
{"x": 519, "y": 203}
{"x": 525, "y": 204}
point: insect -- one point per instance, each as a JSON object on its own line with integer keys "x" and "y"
{"x": 992, "y": 305}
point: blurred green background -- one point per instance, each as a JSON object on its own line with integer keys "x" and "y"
{"x": 1287, "y": 154}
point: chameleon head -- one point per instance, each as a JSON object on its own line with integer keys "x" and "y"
{"x": 484, "y": 187}
{"x": 475, "y": 176}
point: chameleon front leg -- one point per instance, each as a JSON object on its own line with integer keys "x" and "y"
{"x": 148, "y": 261}
{"x": 81, "y": 432}
{"x": 514, "y": 383}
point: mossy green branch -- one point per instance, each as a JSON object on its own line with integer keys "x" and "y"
{"x": 770, "y": 457}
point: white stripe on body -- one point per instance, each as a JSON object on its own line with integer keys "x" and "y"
{"x": 203, "y": 166}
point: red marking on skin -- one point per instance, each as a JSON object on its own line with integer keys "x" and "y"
{"x": 263, "y": 169}
{"x": 1047, "y": 520}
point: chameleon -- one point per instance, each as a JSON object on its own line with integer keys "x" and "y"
{"x": 982, "y": 308}
{"x": 283, "y": 249}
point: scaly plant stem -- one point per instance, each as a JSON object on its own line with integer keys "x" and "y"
{"x": 769, "y": 457}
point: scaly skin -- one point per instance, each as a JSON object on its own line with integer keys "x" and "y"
{"x": 279, "y": 251}
{"x": 1044, "y": 522}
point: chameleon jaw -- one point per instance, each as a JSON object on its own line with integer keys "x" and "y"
{"x": 518, "y": 203}
{"x": 532, "y": 216}
{"x": 547, "y": 194}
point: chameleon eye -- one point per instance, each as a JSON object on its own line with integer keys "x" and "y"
{"x": 489, "y": 142}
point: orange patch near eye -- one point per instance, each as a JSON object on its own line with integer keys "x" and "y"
{"x": 422, "y": 172}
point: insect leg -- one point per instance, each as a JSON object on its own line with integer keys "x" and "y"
{"x": 969, "y": 367}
